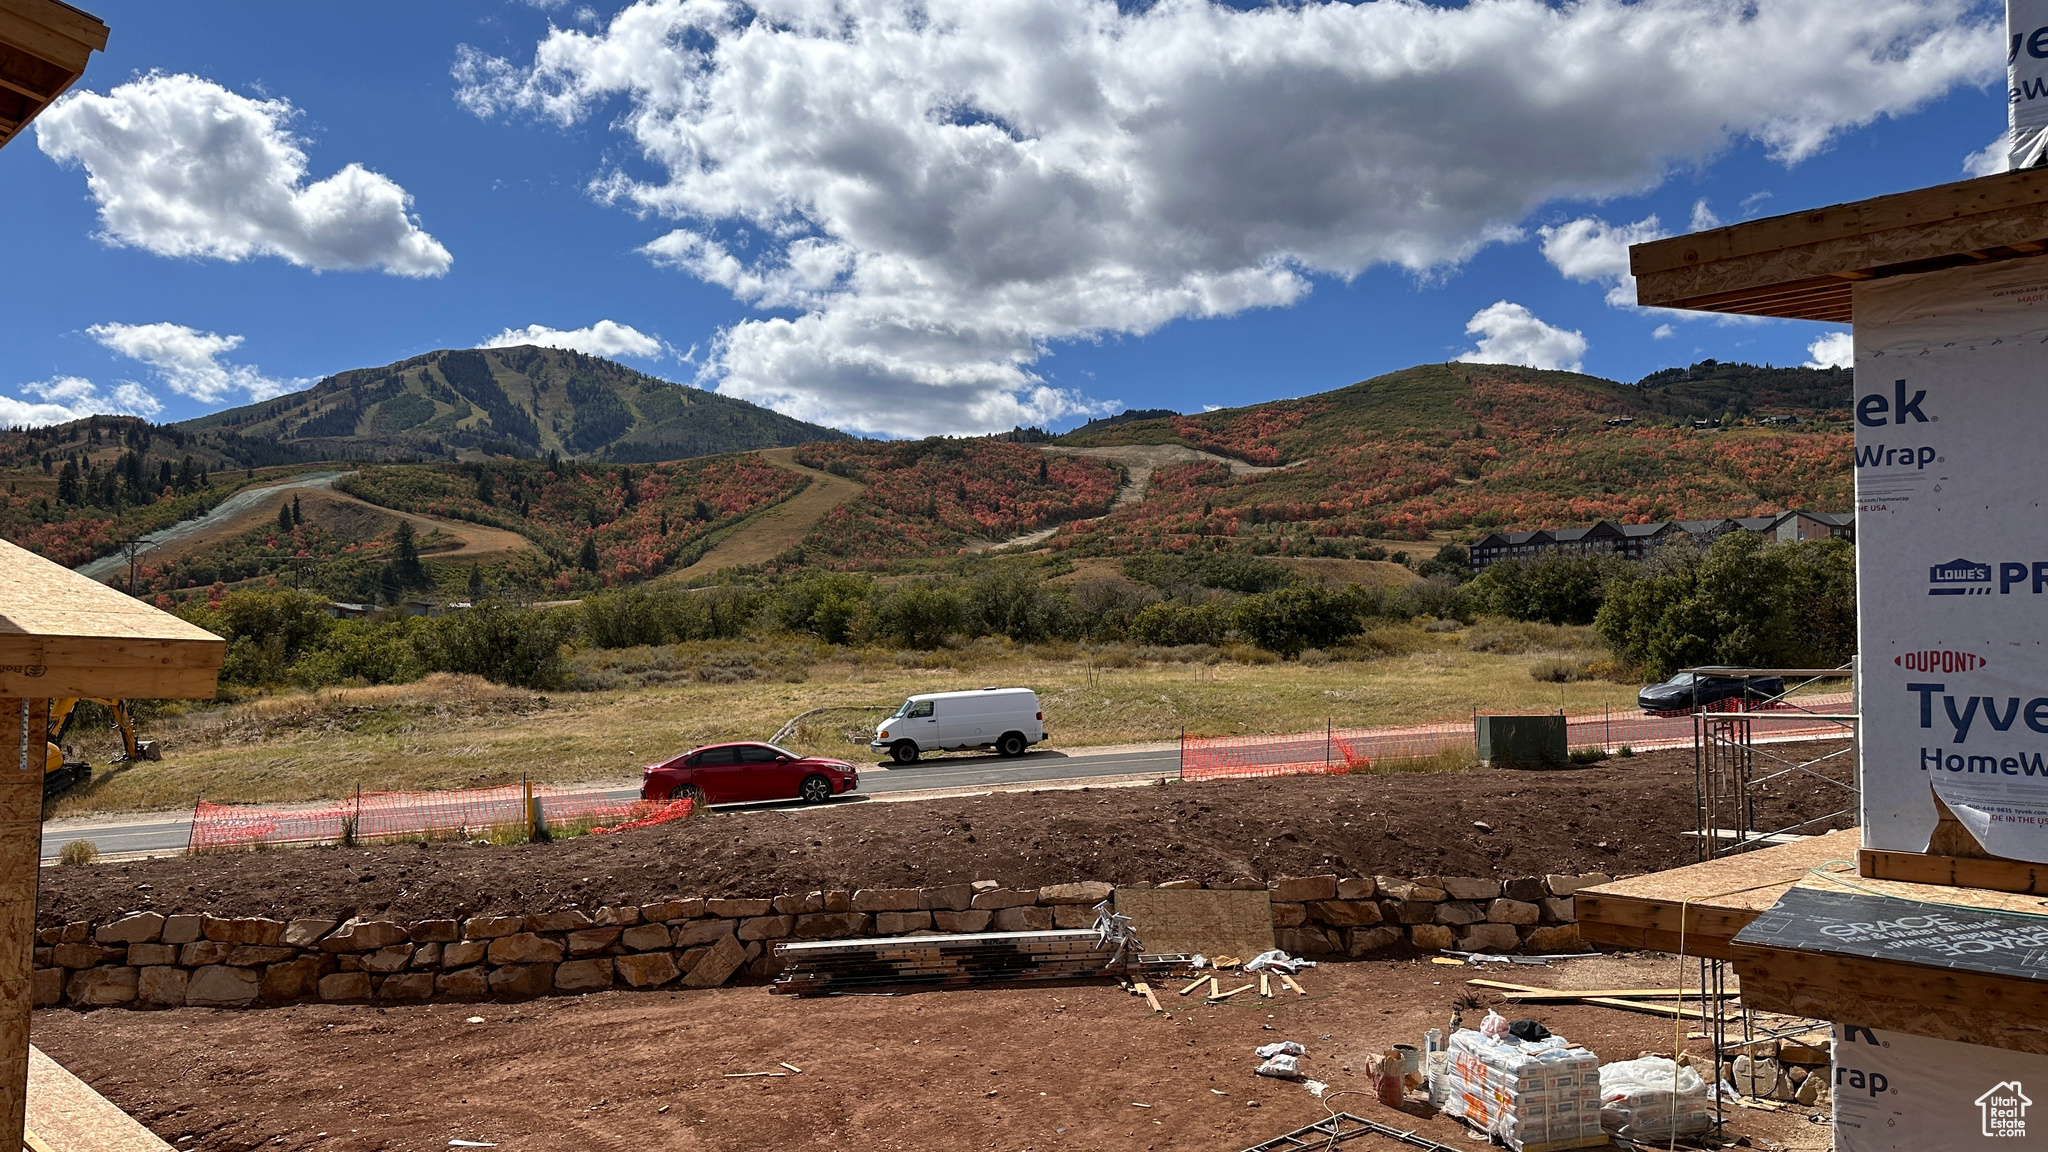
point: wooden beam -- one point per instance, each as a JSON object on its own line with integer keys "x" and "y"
{"x": 1802, "y": 265}
{"x": 2000, "y": 1011}
{"x": 81, "y": 28}
{"x": 1954, "y": 871}
{"x": 21, "y": 817}
{"x": 31, "y": 75}
{"x": 1855, "y": 220}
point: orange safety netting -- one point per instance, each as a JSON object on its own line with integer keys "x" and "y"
{"x": 404, "y": 815}
{"x": 1336, "y": 751}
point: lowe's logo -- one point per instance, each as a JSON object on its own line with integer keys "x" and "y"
{"x": 1959, "y": 577}
{"x": 1876, "y": 410}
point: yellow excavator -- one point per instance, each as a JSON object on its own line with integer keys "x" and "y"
{"x": 60, "y": 771}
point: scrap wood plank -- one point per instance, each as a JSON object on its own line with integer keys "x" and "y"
{"x": 1678, "y": 1011}
{"x": 1215, "y": 995}
{"x": 1291, "y": 983}
{"x": 1145, "y": 990}
{"x": 1193, "y": 984}
{"x": 1531, "y": 992}
{"x": 1265, "y": 986}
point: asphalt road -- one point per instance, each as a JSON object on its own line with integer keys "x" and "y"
{"x": 122, "y": 837}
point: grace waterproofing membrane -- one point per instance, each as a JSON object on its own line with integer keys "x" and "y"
{"x": 1895, "y": 1092}
{"x": 1951, "y": 415}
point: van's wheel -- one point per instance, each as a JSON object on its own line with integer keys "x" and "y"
{"x": 1012, "y": 744}
{"x": 688, "y": 792}
{"x": 814, "y": 790}
{"x": 903, "y": 752}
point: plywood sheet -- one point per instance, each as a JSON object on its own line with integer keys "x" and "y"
{"x": 62, "y": 634}
{"x": 65, "y": 1113}
{"x": 1211, "y": 922}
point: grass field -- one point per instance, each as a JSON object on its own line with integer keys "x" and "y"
{"x": 453, "y": 732}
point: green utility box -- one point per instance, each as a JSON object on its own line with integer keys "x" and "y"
{"x": 1521, "y": 741}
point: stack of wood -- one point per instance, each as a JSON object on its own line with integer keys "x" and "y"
{"x": 827, "y": 966}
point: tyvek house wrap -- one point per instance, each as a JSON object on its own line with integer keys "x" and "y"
{"x": 1951, "y": 418}
{"x": 2026, "y": 68}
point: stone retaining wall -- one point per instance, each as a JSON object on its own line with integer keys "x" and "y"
{"x": 147, "y": 959}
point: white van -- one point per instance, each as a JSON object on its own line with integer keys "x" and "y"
{"x": 1006, "y": 719}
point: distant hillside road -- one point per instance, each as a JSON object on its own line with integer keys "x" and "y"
{"x": 1141, "y": 460}
{"x": 223, "y": 514}
{"x": 777, "y": 529}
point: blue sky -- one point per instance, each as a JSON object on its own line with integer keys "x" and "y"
{"x": 1257, "y": 215}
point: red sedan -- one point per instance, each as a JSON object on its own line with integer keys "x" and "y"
{"x": 733, "y": 773}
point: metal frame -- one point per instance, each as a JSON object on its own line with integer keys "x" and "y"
{"x": 1725, "y": 783}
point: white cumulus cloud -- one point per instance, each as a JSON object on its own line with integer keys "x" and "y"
{"x": 1834, "y": 350}
{"x": 936, "y": 193}
{"x": 62, "y": 399}
{"x": 604, "y": 338}
{"x": 1992, "y": 159}
{"x": 180, "y": 166}
{"x": 188, "y": 361}
{"x": 1511, "y": 334}
{"x": 1592, "y": 251}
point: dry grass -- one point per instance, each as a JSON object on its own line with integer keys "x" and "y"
{"x": 458, "y": 732}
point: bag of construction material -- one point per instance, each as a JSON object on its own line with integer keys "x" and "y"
{"x": 1283, "y": 1048}
{"x": 1535, "y": 1096}
{"x": 1653, "y": 1100}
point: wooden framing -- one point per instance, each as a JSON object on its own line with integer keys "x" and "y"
{"x": 1972, "y": 1007}
{"x": 1803, "y": 265}
{"x": 1715, "y": 900}
{"x": 62, "y": 634}
{"x": 44, "y": 46}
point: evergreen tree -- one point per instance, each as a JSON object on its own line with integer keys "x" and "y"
{"x": 298, "y": 516}
{"x": 587, "y": 560}
{"x": 1044, "y": 474}
{"x": 67, "y": 483}
{"x": 484, "y": 492}
{"x": 476, "y": 583}
{"x": 284, "y": 517}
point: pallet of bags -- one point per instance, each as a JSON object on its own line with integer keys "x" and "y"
{"x": 1653, "y": 1101}
{"x": 1534, "y": 1095}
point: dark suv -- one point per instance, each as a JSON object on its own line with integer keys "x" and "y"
{"x": 1685, "y": 690}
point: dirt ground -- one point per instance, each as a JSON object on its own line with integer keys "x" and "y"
{"x": 1620, "y": 816}
{"x": 1032, "y": 1067}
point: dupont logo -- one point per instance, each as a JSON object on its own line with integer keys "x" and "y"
{"x": 1940, "y": 660}
{"x": 1959, "y": 577}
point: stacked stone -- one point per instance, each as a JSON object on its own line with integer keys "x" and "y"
{"x": 1788, "y": 1070}
{"x": 151, "y": 960}
{"x": 1320, "y": 915}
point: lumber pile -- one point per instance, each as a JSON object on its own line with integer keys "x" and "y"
{"x": 827, "y": 966}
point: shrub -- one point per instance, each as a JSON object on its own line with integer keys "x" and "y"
{"x": 78, "y": 852}
{"x": 1555, "y": 588}
{"x": 1589, "y": 755}
{"x": 502, "y": 643}
{"x": 1172, "y": 625}
{"x": 920, "y": 614}
{"x": 1288, "y": 620}
{"x": 1747, "y": 602}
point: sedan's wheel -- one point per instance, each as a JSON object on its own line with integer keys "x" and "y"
{"x": 903, "y": 752}
{"x": 814, "y": 790}
{"x": 687, "y": 792}
{"x": 1012, "y": 744}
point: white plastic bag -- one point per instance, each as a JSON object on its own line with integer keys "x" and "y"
{"x": 1653, "y": 1099}
{"x": 1284, "y": 1048}
{"x": 1494, "y": 1027}
{"x": 1277, "y": 961}
{"x": 1281, "y": 1067}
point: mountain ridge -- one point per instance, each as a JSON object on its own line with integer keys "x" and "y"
{"x": 524, "y": 401}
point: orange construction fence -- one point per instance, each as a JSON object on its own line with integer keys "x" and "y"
{"x": 375, "y": 816}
